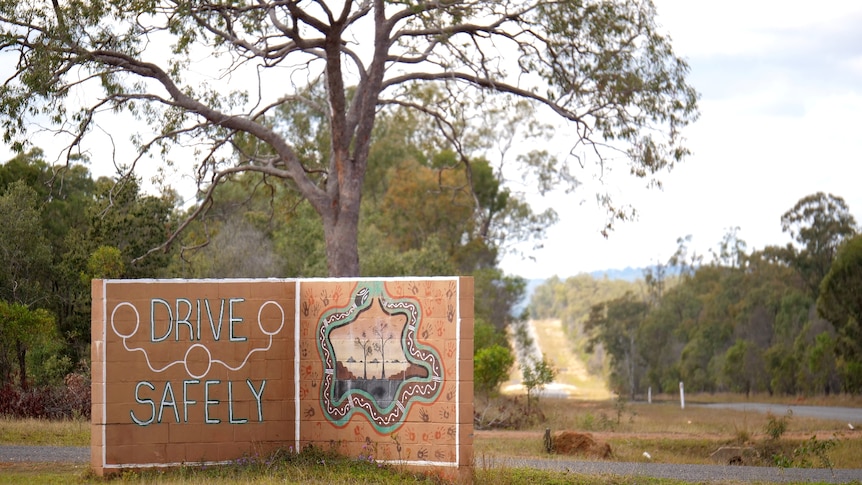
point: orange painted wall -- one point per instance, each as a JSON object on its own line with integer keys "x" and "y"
{"x": 209, "y": 371}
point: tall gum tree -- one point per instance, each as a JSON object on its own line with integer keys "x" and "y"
{"x": 602, "y": 67}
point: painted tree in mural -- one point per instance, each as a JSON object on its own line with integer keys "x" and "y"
{"x": 367, "y": 348}
{"x": 601, "y": 67}
{"x": 380, "y": 329}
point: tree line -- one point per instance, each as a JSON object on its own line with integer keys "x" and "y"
{"x": 59, "y": 228}
{"x": 781, "y": 320}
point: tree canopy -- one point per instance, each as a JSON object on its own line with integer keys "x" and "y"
{"x": 602, "y": 68}
{"x": 819, "y": 223}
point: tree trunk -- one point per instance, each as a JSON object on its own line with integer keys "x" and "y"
{"x": 342, "y": 240}
{"x": 341, "y": 219}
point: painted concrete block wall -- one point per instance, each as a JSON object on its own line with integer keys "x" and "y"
{"x": 386, "y": 369}
{"x": 208, "y": 371}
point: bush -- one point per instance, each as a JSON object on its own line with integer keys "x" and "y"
{"x": 776, "y": 426}
{"x": 491, "y": 366}
{"x": 70, "y": 400}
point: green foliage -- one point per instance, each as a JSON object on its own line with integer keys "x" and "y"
{"x": 227, "y": 254}
{"x": 63, "y": 196}
{"x": 491, "y": 366}
{"x": 487, "y": 335}
{"x": 135, "y": 223}
{"x": 571, "y": 299}
{"x": 643, "y": 73}
{"x": 22, "y": 330}
{"x": 814, "y": 448}
{"x": 819, "y": 223}
{"x": 614, "y": 325}
{"x": 105, "y": 262}
{"x": 430, "y": 259}
{"x": 496, "y": 296}
{"x": 776, "y": 426}
{"x": 48, "y": 365}
{"x": 839, "y": 303}
{"x": 744, "y": 367}
{"x": 25, "y": 256}
{"x": 535, "y": 375}
{"x": 803, "y": 455}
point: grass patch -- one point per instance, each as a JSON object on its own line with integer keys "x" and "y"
{"x": 683, "y": 450}
{"x": 336, "y": 472}
{"x": 47, "y": 473}
{"x": 72, "y": 432}
{"x": 309, "y": 467}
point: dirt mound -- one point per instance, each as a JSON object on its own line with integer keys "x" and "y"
{"x": 581, "y": 444}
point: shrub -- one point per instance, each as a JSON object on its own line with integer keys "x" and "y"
{"x": 70, "y": 400}
{"x": 777, "y": 426}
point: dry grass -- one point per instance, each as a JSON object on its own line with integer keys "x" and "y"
{"x": 44, "y": 432}
{"x": 59, "y": 473}
{"x": 670, "y": 434}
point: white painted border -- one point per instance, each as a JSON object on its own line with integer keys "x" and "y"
{"x": 296, "y": 366}
{"x": 458, "y": 372}
{"x": 104, "y": 373}
{"x": 296, "y": 358}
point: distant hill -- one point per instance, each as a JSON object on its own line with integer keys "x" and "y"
{"x": 628, "y": 274}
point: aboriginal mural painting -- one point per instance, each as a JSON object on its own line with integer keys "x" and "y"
{"x": 383, "y": 365}
{"x": 361, "y": 332}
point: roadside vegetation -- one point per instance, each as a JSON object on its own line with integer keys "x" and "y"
{"x": 683, "y": 436}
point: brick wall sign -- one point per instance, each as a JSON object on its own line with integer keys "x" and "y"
{"x": 210, "y": 371}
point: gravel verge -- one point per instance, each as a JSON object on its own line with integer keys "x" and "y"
{"x": 44, "y": 454}
{"x": 690, "y": 473}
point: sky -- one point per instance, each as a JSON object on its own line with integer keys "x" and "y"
{"x": 781, "y": 98}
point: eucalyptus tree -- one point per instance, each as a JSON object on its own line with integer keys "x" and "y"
{"x": 819, "y": 223}
{"x": 614, "y": 324}
{"x": 603, "y": 68}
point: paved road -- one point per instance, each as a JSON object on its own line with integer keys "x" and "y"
{"x": 847, "y": 415}
{"x": 62, "y": 454}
